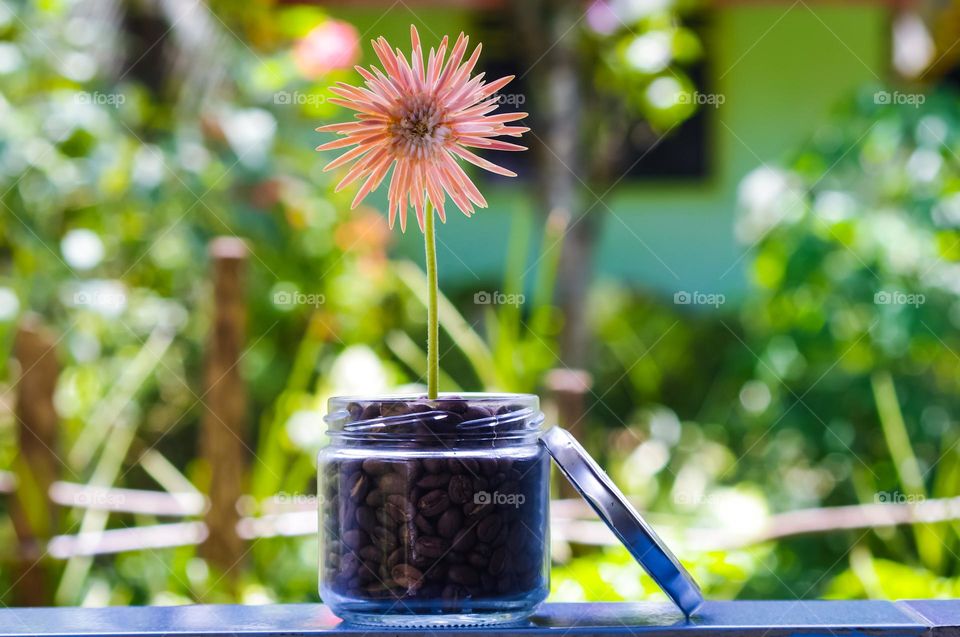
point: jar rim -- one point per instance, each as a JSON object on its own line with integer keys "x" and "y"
{"x": 529, "y": 400}
{"x": 450, "y": 418}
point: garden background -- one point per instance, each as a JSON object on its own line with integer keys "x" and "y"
{"x": 729, "y": 264}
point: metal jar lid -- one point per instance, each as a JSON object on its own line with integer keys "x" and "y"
{"x": 618, "y": 514}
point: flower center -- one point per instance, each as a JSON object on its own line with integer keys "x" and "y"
{"x": 418, "y": 128}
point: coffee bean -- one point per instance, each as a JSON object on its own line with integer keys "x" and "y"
{"x": 376, "y": 466}
{"x": 477, "y": 510}
{"x": 464, "y": 575}
{"x": 385, "y": 539}
{"x": 479, "y": 557}
{"x": 449, "y": 523}
{"x": 393, "y": 484}
{"x": 489, "y": 528}
{"x": 434, "y": 503}
{"x": 434, "y": 465}
{"x": 431, "y": 546}
{"x": 355, "y": 538}
{"x": 374, "y": 498}
{"x": 357, "y": 486}
{"x": 464, "y": 540}
{"x": 460, "y": 489}
{"x": 370, "y": 553}
{"x": 434, "y": 480}
{"x": 395, "y": 558}
{"x": 349, "y": 565}
{"x": 366, "y": 519}
{"x": 463, "y": 466}
{"x": 399, "y": 508}
{"x": 370, "y": 411}
{"x": 453, "y": 592}
{"x": 424, "y": 524}
{"x": 498, "y": 562}
{"x": 407, "y": 576}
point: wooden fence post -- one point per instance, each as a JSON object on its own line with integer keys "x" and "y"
{"x": 224, "y": 424}
{"x": 37, "y": 466}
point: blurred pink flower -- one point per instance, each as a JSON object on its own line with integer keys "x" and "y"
{"x": 331, "y": 45}
{"x": 420, "y": 121}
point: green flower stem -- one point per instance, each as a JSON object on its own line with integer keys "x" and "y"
{"x": 433, "y": 329}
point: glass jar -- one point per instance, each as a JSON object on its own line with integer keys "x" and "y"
{"x": 434, "y": 512}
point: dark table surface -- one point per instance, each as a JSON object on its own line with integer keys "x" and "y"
{"x": 740, "y": 618}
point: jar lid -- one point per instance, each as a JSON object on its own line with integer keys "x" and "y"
{"x": 618, "y": 514}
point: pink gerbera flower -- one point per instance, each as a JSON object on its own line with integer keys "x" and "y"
{"x": 420, "y": 120}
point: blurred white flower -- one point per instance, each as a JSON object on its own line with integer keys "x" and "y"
{"x": 650, "y": 53}
{"x": 82, "y": 249}
{"x": 768, "y": 197}
{"x": 358, "y": 371}
{"x": 9, "y": 304}
{"x": 250, "y": 134}
{"x": 664, "y": 92}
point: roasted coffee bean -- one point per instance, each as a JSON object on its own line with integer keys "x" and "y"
{"x": 498, "y": 562}
{"x": 489, "y": 582}
{"x": 407, "y": 576}
{"x": 395, "y": 558}
{"x": 450, "y": 523}
{"x": 463, "y": 466}
{"x": 464, "y": 539}
{"x": 393, "y": 484}
{"x": 374, "y": 498}
{"x": 376, "y": 466}
{"x": 349, "y": 565}
{"x": 355, "y": 538}
{"x": 385, "y": 538}
{"x": 367, "y": 571}
{"x": 479, "y": 509}
{"x": 366, "y": 519}
{"x": 434, "y": 481}
{"x": 357, "y": 486}
{"x": 370, "y": 411}
{"x": 434, "y": 465}
{"x": 424, "y": 525}
{"x": 434, "y": 503}
{"x": 481, "y": 484}
{"x": 489, "y": 528}
{"x": 479, "y": 557}
{"x": 394, "y": 408}
{"x": 399, "y": 508}
{"x": 453, "y": 592}
{"x": 460, "y": 489}
{"x": 431, "y": 546}
{"x": 463, "y": 574}
{"x": 370, "y": 553}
